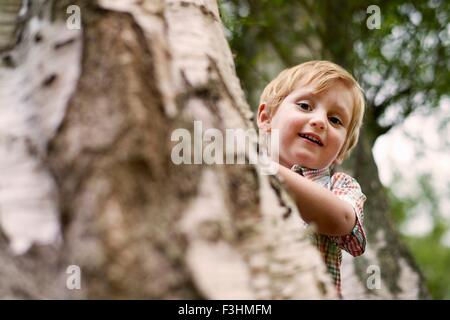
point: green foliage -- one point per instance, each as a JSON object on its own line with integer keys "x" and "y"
{"x": 400, "y": 207}
{"x": 411, "y": 53}
{"x": 434, "y": 260}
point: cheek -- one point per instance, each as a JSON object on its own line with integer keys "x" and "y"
{"x": 339, "y": 139}
{"x": 293, "y": 124}
{"x": 288, "y": 125}
{"x": 290, "y": 130}
{"x": 285, "y": 137}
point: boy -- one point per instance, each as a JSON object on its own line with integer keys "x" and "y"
{"x": 317, "y": 108}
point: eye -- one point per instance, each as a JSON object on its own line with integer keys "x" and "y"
{"x": 336, "y": 120}
{"x": 304, "y": 106}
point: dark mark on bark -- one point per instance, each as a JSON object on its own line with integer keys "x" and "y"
{"x": 8, "y": 61}
{"x": 277, "y": 188}
{"x": 31, "y": 147}
{"x": 49, "y": 80}
{"x": 64, "y": 43}
{"x": 38, "y": 37}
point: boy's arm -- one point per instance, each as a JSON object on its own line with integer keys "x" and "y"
{"x": 333, "y": 216}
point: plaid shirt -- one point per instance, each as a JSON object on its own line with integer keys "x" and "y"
{"x": 348, "y": 189}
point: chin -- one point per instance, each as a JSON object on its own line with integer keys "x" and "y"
{"x": 305, "y": 161}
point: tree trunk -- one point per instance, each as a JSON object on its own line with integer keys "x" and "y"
{"x": 86, "y": 118}
{"x": 400, "y": 277}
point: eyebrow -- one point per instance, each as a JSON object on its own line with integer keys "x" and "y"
{"x": 341, "y": 108}
{"x": 343, "y": 111}
{"x": 311, "y": 95}
{"x": 306, "y": 94}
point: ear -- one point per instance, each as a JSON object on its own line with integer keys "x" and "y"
{"x": 264, "y": 118}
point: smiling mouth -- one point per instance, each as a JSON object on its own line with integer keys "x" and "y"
{"x": 311, "y": 138}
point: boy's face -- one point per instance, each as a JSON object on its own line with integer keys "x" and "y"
{"x": 303, "y": 117}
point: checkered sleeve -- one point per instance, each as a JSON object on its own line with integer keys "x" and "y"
{"x": 348, "y": 189}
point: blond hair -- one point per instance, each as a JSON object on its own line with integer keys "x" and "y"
{"x": 322, "y": 75}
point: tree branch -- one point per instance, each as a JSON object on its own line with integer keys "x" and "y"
{"x": 381, "y": 107}
{"x": 379, "y": 130}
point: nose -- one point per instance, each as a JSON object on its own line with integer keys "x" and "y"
{"x": 318, "y": 122}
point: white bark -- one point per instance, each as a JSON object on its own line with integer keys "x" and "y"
{"x": 270, "y": 263}
{"x": 231, "y": 252}
{"x": 33, "y": 96}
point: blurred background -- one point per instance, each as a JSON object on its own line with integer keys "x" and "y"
{"x": 399, "y": 52}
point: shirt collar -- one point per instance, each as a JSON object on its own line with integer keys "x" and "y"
{"x": 312, "y": 174}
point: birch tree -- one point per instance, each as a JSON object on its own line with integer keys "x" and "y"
{"x": 91, "y": 205}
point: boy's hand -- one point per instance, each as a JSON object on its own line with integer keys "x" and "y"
{"x": 333, "y": 216}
